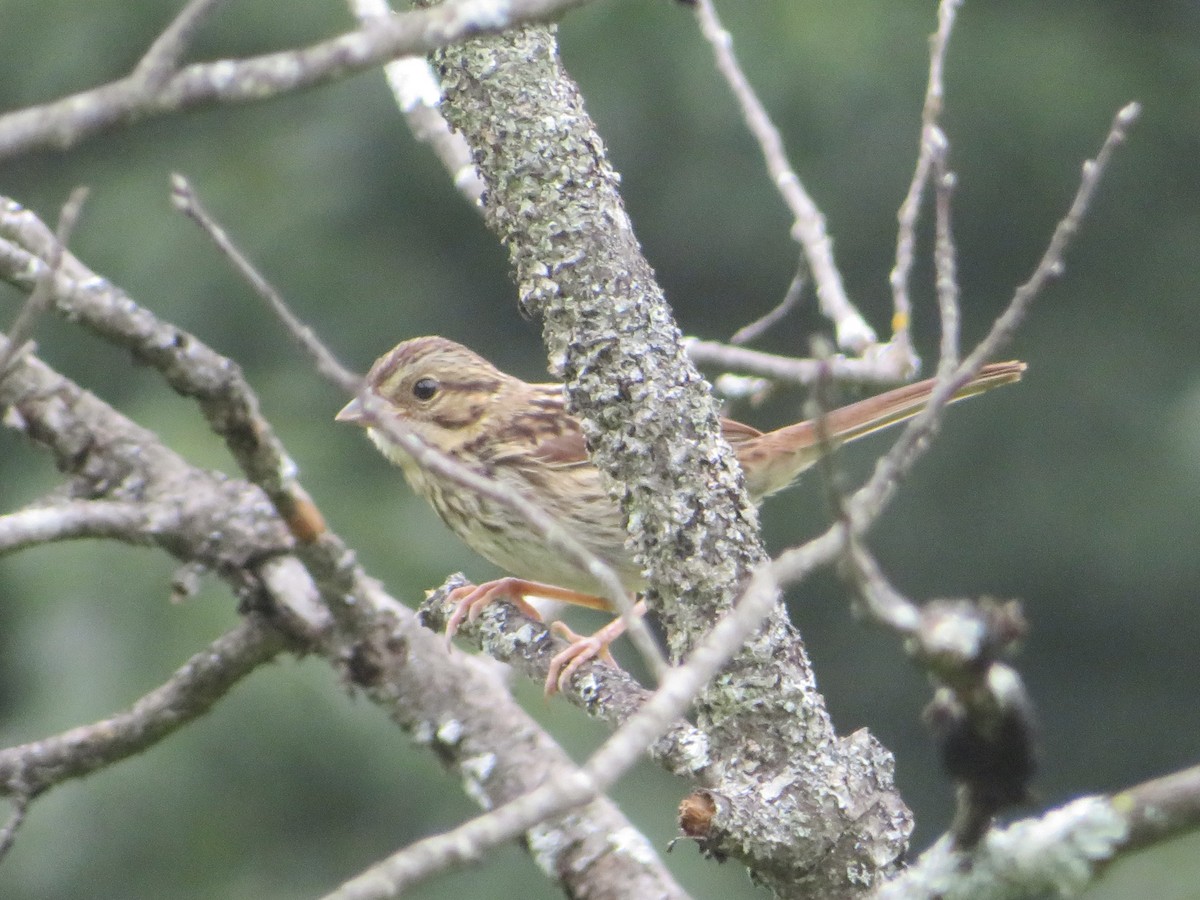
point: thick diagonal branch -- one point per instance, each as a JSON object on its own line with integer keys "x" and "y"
{"x": 651, "y": 425}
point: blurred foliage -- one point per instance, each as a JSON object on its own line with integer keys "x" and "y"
{"x": 1077, "y": 491}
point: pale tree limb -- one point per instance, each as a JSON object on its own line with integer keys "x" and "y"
{"x": 37, "y": 300}
{"x": 72, "y": 520}
{"x": 786, "y": 368}
{"x": 31, "y": 769}
{"x": 418, "y": 96}
{"x": 808, "y": 224}
{"x": 945, "y": 262}
{"x": 446, "y": 700}
{"x": 931, "y": 147}
{"x": 156, "y": 88}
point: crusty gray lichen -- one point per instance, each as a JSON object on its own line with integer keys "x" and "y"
{"x": 834, "y": 821}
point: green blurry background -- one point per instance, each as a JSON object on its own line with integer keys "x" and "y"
{"x": 1077, "y": 491}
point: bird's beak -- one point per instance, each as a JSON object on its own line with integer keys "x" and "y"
{"x": 352, "y": 412}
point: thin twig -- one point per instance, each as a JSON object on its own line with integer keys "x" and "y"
{"x": 930, "y": 145}
{"x": 43, "y": 292}
{"x": 808, "y": 225}
{"x": 1051, "y": 265}
{"x": 946, "y": 266}
{"x": 185, "y": 199}
{"x": 760, "y": 326}
{"x": 418, "y": 95}
{"x": 30, "y": 769}
{"x": 8, "y": 834}
{"x": 876, "y": 369}
{"x": 162, "y": 59}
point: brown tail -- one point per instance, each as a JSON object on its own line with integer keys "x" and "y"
{"x": 772, "y": 461}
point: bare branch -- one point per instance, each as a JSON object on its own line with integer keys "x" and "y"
{"x": 931, "y": 146}
{"x": 30, "y": 769}
{"x": 40, "y": 296}
{"x": 761, "y": 325}
{"x": 1161, "y": 809}
{"x": 946, "y": 267}
{"x": 808, "y": 226}
{"x": 184, "y": 197}
{"x": 870, "y": 370}
{"x": 63, "y": 123}
{"x": 418, "y": 94}
{"x": 164, "y": 55}
{"x": 75, "y": 519}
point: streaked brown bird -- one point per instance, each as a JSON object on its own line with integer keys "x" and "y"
{"x": 522, "y": 436}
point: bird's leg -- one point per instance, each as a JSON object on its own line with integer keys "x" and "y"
{"x": 470, "y": 600}
{"x": 595, "y": 646}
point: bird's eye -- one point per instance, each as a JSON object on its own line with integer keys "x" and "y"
{"x": 425, "y": 388}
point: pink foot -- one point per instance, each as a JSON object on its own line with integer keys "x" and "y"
{"x": 566, "y": 663}
{"x": 470, "y": 600}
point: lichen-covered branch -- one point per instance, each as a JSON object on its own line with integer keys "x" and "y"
{"x": 651, "y": 425}
{"x": 1059, "y": 853}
